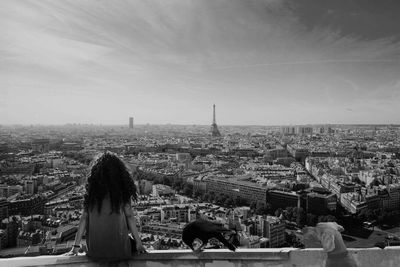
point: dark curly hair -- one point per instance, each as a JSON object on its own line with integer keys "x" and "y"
{"x": 108, "y": 175}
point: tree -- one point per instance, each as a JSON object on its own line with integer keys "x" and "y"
{"x": 158, "y": 180}
{"x": 278, "y": 212}
{"x": 290, "y": 214}
{"x": 213, "y": 198}
{"x": 167, "y": 180}
{"x": 321, "y": 218}
{"x": 206, "y": 197}
{"x": 188, "y": 189}
{"x": 312, "y": 219}
{"x": 197, "y": 194}
{"x": 262, "y": 208}
{"x": 297, "y": 187}
{"x": 220, "y": 199}
{"x": 229, "y": 202}
{"x": 289, "y": 209}
{"x": 177, "y": 185}
{"x": 36, "y": 169}
{"x": 238, "y": 201}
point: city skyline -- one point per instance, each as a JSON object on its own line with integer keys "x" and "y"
{"x": 261, "y": 62}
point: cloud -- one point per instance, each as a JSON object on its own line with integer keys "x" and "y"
{"x": 307, "y": 62}
{"x": 264, "y": 53}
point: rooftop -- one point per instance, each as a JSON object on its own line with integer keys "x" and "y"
{"x": 283, "y": 257}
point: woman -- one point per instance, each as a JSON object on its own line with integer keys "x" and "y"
{"x": 107, "y": 216}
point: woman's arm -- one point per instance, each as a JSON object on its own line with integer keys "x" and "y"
{"x": 130, "y": 218}
{"x": 78, "y": 236}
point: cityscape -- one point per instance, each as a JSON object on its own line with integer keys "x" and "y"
{"x": 218, "y": 133}
{"x": 264, "y": 182}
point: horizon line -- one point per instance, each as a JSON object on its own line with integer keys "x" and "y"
{"x": 194, "y": 124}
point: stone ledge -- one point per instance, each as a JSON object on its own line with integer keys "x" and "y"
{"x": 282, "y": 257}
{"x": 280, "y": 254}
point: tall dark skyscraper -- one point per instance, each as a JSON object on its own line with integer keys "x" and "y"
{"x": 130, "y": 122}
{"x": 214, "y": 128}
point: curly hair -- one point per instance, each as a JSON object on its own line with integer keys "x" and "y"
{"x": 109, "y": 176}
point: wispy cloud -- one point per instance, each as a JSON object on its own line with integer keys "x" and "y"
{"x": 137, "y": 54}
{"x": 307, "y": 62}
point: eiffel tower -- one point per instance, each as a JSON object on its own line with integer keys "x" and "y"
{"x": 214, "y": 128}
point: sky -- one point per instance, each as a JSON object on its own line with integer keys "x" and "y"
{"x": 261, "y": 62}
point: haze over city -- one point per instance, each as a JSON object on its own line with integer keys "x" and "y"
{"x": 261, "y": 62}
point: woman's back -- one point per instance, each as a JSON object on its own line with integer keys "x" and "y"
{"x": 110, "y": 185}
{"x": 107, "y": 233}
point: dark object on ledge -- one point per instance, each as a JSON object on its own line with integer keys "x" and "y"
{"x": 381, "y": 244}
{"x": 205, "y": 230}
